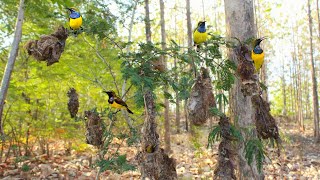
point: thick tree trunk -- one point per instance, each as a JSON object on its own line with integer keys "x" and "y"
{"x": 164, "y": 61}
{"x": 12, "y": 57}
{"x": 240, "y": 24}
{"x": 314, "y": 83}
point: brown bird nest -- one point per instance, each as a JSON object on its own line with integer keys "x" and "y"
{"x": 226, "y": 165}
{"x": 201, "y": 99}
{"x": 49, "y": 47}
{"x": 73, "y": 104}
{"x": 246, "y": 71}
{"x": 265, "y": 123}
{"x": 157, "y": 164}
{"x": 94, "y": 128}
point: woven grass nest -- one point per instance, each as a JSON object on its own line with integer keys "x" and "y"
{"x": 201, "y": 99}
{"x": 94, "y": 128}
{"x": 49, "y": 47}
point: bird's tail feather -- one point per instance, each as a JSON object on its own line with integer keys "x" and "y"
{"x": 129, "y": 111}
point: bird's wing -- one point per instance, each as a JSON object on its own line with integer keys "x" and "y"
{"x": 120, "y": 101}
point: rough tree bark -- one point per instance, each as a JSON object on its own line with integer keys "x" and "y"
{"x": 314, "y": 83}
{"x": 164, "y": 61}
{"x": 240, "y": 24}
{"x": 12, "y": 57}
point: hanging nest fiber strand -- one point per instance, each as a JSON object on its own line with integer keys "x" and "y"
{"x": 246, "y": 71}
{"x": 49, "y": 47}
{"x": 201, "y": 99}
{"x": 73, "y": 104}
{"x": 94, "y": 128}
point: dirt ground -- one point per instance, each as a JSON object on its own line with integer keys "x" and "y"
{"x": 300, "y": 159}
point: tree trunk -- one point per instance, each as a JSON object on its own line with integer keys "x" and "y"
{"x": 284, "y": 94}
{"x": 177, "y": 80}
{"x": 240, "y": 24}
{"x": 164, "y": 61}
{"x": 153, "y": 162}
{"x": 318, "y": 15}
{"x": 314, "y": 83}
{"x": 12, "y": 58}
{"x": 123, "y": 91}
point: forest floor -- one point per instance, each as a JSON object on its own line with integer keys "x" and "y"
{"x": 300, "y": 159}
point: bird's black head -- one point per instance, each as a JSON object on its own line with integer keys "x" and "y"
{"x": 110, "y": 93}
{"x": 201, "y": 23}
{"x": 258, "y": 41}
{"x": 71, "y": 10}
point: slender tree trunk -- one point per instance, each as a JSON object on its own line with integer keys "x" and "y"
{"x": 177, "y": 80}
{"x": 193, "y": 66}
{"x": 284, "y": 93}
{"x": 164, "y": 61}
{"x": 124, "y": 85}
{"x": 186, "y": 114}
{"x": 318, "y": 15}
{"x": 12, "y": 57}
{"x": 153, "y": 162}
{"x": 240, "y": 24}
{"x": 314, "y": 83}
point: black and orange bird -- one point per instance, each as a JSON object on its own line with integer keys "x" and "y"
{"x": 117, "y": 102}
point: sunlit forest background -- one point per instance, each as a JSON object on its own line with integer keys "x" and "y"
{"x": 41, "y": 140}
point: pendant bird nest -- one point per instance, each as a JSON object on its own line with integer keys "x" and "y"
{"x": 246, "y": 71}
{"x": 201, "y": 99}
{"x": 265, "y": 123}
{"x": 73, "y": 104}
{"x": 49, "y": 47}
{"x": 94, "y": 128}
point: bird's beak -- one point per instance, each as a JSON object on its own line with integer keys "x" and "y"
{"x": 69, "y": 9}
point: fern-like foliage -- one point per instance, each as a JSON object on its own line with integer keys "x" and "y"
{"x": 116, "y": 164}
{"x": 254, "y": 149}
{"x": 214, "y": 135}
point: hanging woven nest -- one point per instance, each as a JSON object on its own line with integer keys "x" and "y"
{"x": 94, "y": 128}
{"x": 49, "y": 47}
{"x": 246, "y": 71}
{"x": 201, "y": 99}
{"x": 265, "y": 123}
{"x": 73, "y": 104}
{"x": 227, "y": 153}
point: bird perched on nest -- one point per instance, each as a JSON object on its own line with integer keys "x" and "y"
{"x": 117, "y": 102}
{"x": 200, "y": 33}
{"x": 257, "y": 54}
{"x": 75, "y": 21}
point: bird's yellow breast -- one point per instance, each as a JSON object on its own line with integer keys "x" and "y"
{"x": 199, "y": 37}
{"x": 75, "y": 24}
{"x": 258, "y": 60}
{"x": 116, "y": 105}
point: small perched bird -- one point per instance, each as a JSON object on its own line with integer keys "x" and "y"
{"x": 257, "y": 54}
{"x": 75, "y": 20}
{"x": 200, "y": 33}
{"x": 116, "y": 102}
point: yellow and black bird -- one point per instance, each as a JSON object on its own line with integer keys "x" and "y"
{"x": 117, "y": 102}
{"x": 257, "y": 54}
{"x": 200, "y": 33}
{"x": 75, "y": 20}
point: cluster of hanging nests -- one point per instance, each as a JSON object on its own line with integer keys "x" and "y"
{"x": 201, "y": 99}
{"x": 49, "y": 47}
